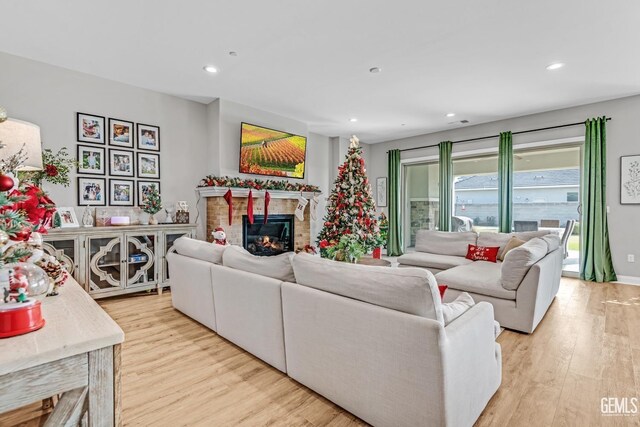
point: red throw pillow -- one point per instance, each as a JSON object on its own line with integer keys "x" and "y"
{"x": 442, "y": 288}
{"x": 483, "y": 253}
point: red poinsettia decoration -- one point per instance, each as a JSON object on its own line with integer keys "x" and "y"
{"x": 51, "y": 170}
{"x": 36, "y": 206}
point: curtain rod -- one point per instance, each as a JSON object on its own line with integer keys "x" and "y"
{"x": 497, "y": 136}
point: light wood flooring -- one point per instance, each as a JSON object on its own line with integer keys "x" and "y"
{"x": 177, "y": 372}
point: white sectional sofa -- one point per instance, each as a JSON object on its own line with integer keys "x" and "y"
{"x": 521, "y": 288}
{"x": 371, "y": 339}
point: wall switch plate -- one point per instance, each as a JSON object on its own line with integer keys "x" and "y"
{"x": 631, "y": 258}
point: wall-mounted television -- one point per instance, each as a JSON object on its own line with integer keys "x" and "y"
{"x": 265, "y": 151}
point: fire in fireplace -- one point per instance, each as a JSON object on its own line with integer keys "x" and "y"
{"x": 273, "y": 238}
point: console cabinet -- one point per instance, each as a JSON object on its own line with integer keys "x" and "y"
{"x": 110, "y": 261}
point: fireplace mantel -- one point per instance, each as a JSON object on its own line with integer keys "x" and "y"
{"x": 244, "y": 192}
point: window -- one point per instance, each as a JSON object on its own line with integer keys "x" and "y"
{"x": 572, "y": 196}
{"x": 421, "y": 199}
{"x": 475, "y": 194}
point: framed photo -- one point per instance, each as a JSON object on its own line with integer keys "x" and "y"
{"x": 148, "y": 165}
{"x": 121, "y": 162}
{"x": 144, "y": 187}
{"x": 91, "y": 191}
{"x": 121, "y": 133}
{"x": 381, "y": 191}
{"x": 90, "y": 128}
{"x": 91, "y": 160}
{"x": 630, "y": 180}
{"x": 148, "y": 137}
{"x": 68, "y": 218}
{"x": 121, "y": 192}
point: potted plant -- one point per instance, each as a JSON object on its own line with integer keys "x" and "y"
{"x": 152, "y": 204}
{"x": 348, "y": 249}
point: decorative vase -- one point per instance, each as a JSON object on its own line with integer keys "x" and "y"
{"x": 377, "y": 253}
{"x": 144, "y": 218}
{"x": 153, "y": 220}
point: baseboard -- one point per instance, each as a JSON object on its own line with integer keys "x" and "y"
{"x": 628, "y": 280}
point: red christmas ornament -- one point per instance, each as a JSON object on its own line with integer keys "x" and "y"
{"x": 51, "y": 170}
{"x": 6, "y": 183}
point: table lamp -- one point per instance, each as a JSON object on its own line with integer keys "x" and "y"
{"x": 16, "y": 134}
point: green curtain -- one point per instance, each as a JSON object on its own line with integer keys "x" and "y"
{"x": 505, "y": 182}
{"x": 394, "y": 243}
{"x": 446, "y": 184}
{"x": 595, "y": 257}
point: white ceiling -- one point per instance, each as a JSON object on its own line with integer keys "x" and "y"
{"x": 309, "y": 60}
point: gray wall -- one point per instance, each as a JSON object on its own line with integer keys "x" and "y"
{"x": 623, "y": 138}
{"x": 50, "y": 97}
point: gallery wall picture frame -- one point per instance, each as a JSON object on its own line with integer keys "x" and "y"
{"x": 630, "y": 180}
{"x": 122, "y": 192}
{"x": 67, "y": 217}
{"x": 143, "y": 189}
{"x": 91, "y": 160}
{"x": 121, "y": 162}
{"x": 121, "y": 133}
{"x": 92, "y": 191}
{"x": 90, "y": 128}
{"x": 148, "y": 165}
{"x": 381, "y": 191}
{"x": 148, "y": 137}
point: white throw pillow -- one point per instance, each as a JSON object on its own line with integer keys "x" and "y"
{"x": 199, "y": 249}
{"x": 454, "y": 309}
{"x": 518, "y": 261}
{"x": 277, "y": 267}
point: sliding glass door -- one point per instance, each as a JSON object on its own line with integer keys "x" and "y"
{"x": 475, "y": 194}
{"x": 546, "y": 194}
{"x": 421, "y": 200}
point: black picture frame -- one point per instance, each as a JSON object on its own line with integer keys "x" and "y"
{"x": 140, "y": 190}
{"x": 81, "y": 136}
{"x": 112, "y": 195}
{"x": 142, "y": 141}
{"x": 140, "y": 164}
{"x": 82, "y": 186}
{"x": 113, "y": 171}
{"x": 90, "y": 171}
{"x": 111, "y": 134}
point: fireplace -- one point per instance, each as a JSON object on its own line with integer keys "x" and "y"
{"x": 273, "y": 238}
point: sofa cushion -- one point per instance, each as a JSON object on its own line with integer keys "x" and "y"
{"x": 483, "y": 253}
{"x": 277, "y": 267}
{"x": 518, "y": 261}
{"x": 480, "y": 277}
{"x": 490, "y": 239}
{"x": 445, "y": 243}
{"x": 410, "y": 290}
{"x": 199, "y": 249}
{"x": 456, "y": 308}
{"x": 514, "y": 242}
{"x": 429, "y": 260}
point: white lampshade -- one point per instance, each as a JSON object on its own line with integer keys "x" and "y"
{"x": 16, "y": 133}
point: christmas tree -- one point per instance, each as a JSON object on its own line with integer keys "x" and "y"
{"x": 152, "y": 203}
{"x": 351, "y": 209}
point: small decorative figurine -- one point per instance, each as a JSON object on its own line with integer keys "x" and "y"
{"x": 22, "y": 295}
{"x": 219, "y": 236}
{"x": 6, "y": 295}
{"x": 168, "y": 219}
{"x": 87, "y": 217}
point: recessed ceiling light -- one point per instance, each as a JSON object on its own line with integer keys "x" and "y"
{"x": 375, "y": 70}
{"x": 555, "y": 66}
{"x": 403, "y": 124}
{"x": 451, "y": 114}
{"x": 353, "y": 120}
{"x": 210, "y": 69}
{"x": 233, "y": 53}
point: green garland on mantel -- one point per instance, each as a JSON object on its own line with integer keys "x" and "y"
{"x": 256, "y": 184}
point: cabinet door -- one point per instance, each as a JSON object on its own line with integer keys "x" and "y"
{"x": 105, "y": 263}
{"x": 65, "y": 251}
{"x": 141, "y": 259}
{"x": 169, "y": 238}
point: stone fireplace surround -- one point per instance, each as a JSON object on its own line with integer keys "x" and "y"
{"x": 282, "y": 202}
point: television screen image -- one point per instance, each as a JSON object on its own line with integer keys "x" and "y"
{"x": 266, "y": 151}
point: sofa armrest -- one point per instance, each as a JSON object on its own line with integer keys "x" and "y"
{"x": 472, "y": 364}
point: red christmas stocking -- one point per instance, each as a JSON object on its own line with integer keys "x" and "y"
{"x": 250, "y": 207}
{"x": 229, "y": 198}
{"x": 267, "y": 199}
